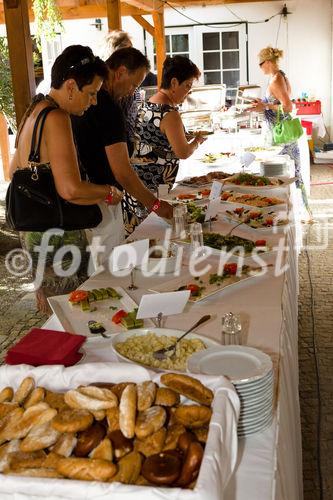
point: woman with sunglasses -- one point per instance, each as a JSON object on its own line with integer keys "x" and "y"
{"x": 76, "y": 77}
{"x": 278, "y": 95}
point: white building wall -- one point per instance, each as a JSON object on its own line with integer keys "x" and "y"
{"x": 306, "y": 38}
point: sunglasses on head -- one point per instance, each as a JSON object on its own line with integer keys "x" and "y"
{"x": 83, "y": 62}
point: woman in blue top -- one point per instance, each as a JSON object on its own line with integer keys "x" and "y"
{"x": 278, "y": 95}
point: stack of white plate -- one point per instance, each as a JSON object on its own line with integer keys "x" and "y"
{"x": 251, "y": 372}
{"x": 276, "y": 166}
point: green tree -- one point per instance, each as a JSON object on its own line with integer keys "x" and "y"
{"x": 47, "y": 19}
{"x": 6, "y": 87}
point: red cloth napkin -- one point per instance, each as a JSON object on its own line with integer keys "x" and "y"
{"x": 46, "y": 347}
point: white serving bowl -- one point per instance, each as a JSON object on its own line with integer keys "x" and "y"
{"x": 138, "y": 332}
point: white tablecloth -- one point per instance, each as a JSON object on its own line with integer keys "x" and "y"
{"x": 269, "y": 464}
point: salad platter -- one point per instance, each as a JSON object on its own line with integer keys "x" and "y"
{"x": 211, "y": 283}
{"x": 256, "y": 218}
{"x": 96, "y": 308}
{"x": 256, "y": 182}
{"x": 202, "y": 180}
{"x": 252, "y": 200}
{"x": 217, "y": 157}
{"x": 193, "y": 196}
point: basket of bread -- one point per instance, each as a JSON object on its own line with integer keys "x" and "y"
{"x": 111, "y": 429}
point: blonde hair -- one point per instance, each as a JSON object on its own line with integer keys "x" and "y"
{"x": 270, "y": 54}
{"x": 114, "y": 40}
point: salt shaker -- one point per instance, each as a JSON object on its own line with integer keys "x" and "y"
{"x": 196, "y": 236}
{"x": 231, "y": 329}
{"x": 179, "y": 222}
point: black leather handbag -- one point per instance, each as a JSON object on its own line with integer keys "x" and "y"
{"x": 32, "y": 201}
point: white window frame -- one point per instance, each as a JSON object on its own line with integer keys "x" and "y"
{"x": 196, "y": 47}
{"x": 200, "y": 30}
{"x": 170, "y": 31}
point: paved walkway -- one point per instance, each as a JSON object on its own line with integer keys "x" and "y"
{"x": 18, "y": 314}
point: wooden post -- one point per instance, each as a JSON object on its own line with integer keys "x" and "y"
{"x": 4, "y": 146}
{"x": 20, "y": 54}
{"x": 113, "y": 14}
{"x": 158, "y": 18}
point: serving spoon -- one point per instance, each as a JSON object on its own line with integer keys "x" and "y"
{"x": 161, "y": 353}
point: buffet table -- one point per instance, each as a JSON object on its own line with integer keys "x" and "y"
{"x": 269, "y": 463}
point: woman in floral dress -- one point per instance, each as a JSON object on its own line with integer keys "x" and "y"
{"x": 162, "y": 140}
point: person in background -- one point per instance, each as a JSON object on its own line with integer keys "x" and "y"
{"x": 77, "y": 76}
{"x": 161, "y": 135}
{"x": 278, "y": 94}
{"x": 115, "y": 40}
{"x": 101, "y": 139}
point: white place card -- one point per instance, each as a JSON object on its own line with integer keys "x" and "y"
{"x": 215, "y": 190}
{"x": 167, "y": 303}
{"x": 247, "y": 158}
{"x": 212, "y": 209}
{"x": 129, "y": 255}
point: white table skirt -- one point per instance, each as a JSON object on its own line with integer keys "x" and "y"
{"x": 269, "y": 463}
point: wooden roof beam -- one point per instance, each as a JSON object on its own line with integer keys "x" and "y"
{"x": 145, "y": 25}
{"x": 113, "y": 14}
{"x": 20, "y": 54}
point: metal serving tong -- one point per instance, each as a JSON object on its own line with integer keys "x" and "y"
{"x": 161, "y": 353}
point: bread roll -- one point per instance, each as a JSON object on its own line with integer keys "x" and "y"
{"x": 166, "y": 397}
{"x": 103, "y": 450}
{"x": 193, "y": 416}
{"x": 65, "y": 444}
{"x": 24, "y": 389}
{"x": 152, "y": 444}
{"x": 172, "y": 436}
{"x": 88, "y": 439}
{"x": 112, "y": 417}
{"x": 121, "y": 444}
{"x": 40, "y": 437}
{"x": 129, "y": 468}
{"x": 6, "y": 394}
{"x": 72, "y": 420}
{"x": 149, "y": 421}
{"x": 189, "y": 387}
{"x": 86, "y": 469}
{"x": 35, "y": 397}
{"x": 77, "y": 399}
{"x": 146, "y": 394}
{"x": 127, "y": 411}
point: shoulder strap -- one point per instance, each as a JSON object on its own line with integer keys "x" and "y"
{"x": 35, "y": 149}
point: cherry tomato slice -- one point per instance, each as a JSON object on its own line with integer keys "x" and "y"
{"x": 230, "y": 268}
{"x": 260, "y": 243}
{"x": 78, "y": 296}
{"x": 116, "y": 318}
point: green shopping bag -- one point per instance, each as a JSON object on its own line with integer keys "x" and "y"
{"x": 286, "y": 131}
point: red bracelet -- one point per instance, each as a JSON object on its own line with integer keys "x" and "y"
{"x": 109, "y": 197}
{"x": 156, "y": 205}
